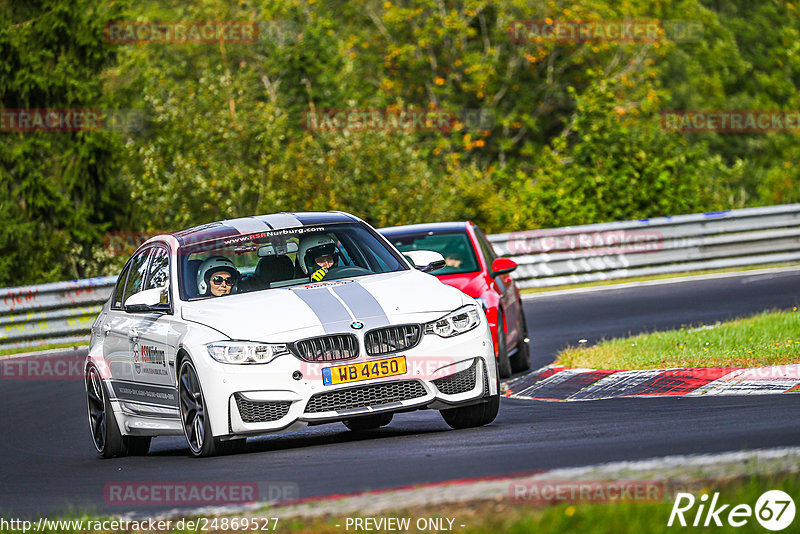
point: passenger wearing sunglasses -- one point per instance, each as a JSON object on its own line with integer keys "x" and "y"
{"x": 217, "y": 276}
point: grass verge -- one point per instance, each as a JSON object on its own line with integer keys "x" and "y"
{"x": 505, "y": 515}
{"x": 40, "y": 348}
{"x": 682, "y": 274}
{"x": 770, "y": 338}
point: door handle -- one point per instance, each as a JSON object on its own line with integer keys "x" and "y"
{"x": 106, "y": 329}
{"x": 133, "y": 334}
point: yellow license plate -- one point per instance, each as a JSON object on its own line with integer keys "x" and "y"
{"x": 355, "y": 372}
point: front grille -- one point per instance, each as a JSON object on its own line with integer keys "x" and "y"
{"x": 327, "y": 348}
{"x": 459, "y": 382}
{"x": 363, "y": 396}
{"x": 261, "y": 412}
{"x": 392, "y": 339}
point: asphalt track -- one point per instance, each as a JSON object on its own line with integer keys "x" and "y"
{"x": 47, "y": 464}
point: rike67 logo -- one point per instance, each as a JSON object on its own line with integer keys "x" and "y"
{"x": 774, "y": 510}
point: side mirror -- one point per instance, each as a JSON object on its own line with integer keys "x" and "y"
{"x": 146, "y": 301}
{"x": 502, "y": 266}
{"x": 425, "y": 260}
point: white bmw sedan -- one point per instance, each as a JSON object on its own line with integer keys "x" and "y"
{"x": 276, "y": 322}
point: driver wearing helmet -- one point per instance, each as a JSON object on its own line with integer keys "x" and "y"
{"x": 316, "y": 255}
{"x": 217, "y": 276}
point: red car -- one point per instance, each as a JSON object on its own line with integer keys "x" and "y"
{"x": 473, "y": 267}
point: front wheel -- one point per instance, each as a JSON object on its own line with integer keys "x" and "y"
{"x": 521, "y": 361}
{"x": 196, "y": 427}
{"x": 503, "y": 361}
{"x": 108, "y": 440}
{"x": 475, "y": 414}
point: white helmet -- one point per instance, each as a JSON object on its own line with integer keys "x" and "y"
{"x": 312, "y": 247}
{"x": 211, "y": 265}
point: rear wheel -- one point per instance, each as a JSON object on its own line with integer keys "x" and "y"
{"x": 108, "y": 440}
{"x": 521, "y": 361}
{"x": 138, "y": 445}
{"x": 503, "y": 362}
{"x": 196, "y": 427}
{"x": 368, "y": 422}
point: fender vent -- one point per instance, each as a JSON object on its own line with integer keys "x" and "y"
{"x": 459, "y": 382}
{"x": 261, "y": 412}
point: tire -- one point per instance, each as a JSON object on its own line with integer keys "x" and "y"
{"x": 368, "y": 422}
{"x": 108, "y": 440}
{"x": 475, "y": 414}
{"x": 503, "y": 363}
{"x": 194, "y": 418}
{"x": 521, "y": 361}
{"x": 232, "y": 446}
{"x": 138, "y": 445}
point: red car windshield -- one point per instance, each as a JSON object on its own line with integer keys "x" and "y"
{"x": 455, "y": 247}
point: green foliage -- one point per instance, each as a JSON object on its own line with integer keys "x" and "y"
{"x": 569, "y": 132}
{"x": 58, "y": 190}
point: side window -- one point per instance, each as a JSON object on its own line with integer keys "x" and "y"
{"x": 486, "y": 248}
{"x": 117, "y": 304}
{"x": 136, "y": 272}
{"x": 158, "y": 272}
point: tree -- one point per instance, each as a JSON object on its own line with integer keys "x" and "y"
{"x": 58, "y": 189}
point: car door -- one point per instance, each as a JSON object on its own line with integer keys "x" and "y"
{"x": 505, "y": 286}
{"x": 117, "y": 324}
{"x": 153, "y": 339}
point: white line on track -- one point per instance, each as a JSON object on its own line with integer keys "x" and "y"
{"x": 645, "y": 283}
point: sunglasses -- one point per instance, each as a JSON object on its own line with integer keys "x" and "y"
{"x": 219, "y": 280}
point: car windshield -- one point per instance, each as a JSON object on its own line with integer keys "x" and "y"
{"x": 455, "y": 247}
{"x": 282, "y": 258}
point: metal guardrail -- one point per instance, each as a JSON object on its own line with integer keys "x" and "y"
{"x": 63, "y": 312}
{"x": 594, "y": 252}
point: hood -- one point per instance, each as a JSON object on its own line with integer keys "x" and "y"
{"x": 325, "y": 307}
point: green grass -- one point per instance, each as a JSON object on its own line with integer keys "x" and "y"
{"x": 503, "y": 515}
{"x": 38, "y": 348}
{"x": 770, "y": 338}
{"x": 666, "y": 276}
{"x": 506, "y": 516}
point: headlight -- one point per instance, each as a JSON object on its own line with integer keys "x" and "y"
{"x": 245, "y": 352}
{"x": 454, "y": 323}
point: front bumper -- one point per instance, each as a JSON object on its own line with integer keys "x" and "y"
{"x": 288, "y": 394}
